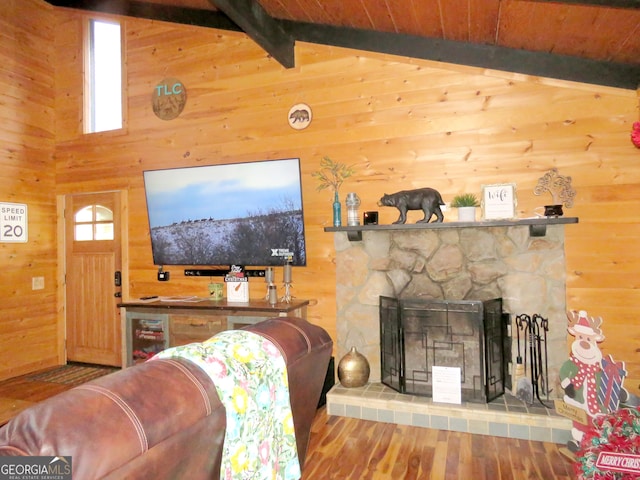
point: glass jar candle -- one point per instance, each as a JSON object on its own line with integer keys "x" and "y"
{"x": 287, "y": 273}
{"x": 353, "y": 202}
{"x": 273, "y": 295}
{"x": 269, "y": 276}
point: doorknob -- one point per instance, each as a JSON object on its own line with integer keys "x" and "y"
{"x": 117, "y": 294}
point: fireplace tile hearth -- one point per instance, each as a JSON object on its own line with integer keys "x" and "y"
{"x": 505, "y": 416}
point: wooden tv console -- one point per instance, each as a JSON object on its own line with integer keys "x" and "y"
{"x": 148, "y": 327}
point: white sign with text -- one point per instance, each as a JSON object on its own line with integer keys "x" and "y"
{"x": 13, "y": 222}
{"x": 499, "y": 201}
{"x": 447, "y": 386}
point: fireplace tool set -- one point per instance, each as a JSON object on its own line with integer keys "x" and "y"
{"x": 531, "y": 376}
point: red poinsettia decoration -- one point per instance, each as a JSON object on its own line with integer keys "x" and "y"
{"x": 635, "y": 134}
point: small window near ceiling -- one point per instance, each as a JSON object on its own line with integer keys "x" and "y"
{"x": 103, "y": 82}
{"x": 94, "y": 222}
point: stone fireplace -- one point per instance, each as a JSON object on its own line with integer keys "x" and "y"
{"x": 527, "y": 271}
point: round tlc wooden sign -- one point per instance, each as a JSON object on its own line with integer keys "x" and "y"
{"x": 169, "y": 98}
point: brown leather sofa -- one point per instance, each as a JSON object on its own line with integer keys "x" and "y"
{"x": 162, "y": 419}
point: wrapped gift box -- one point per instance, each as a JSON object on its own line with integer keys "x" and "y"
{"x": 238, "y": 291}
{"x": 237, "y": 285}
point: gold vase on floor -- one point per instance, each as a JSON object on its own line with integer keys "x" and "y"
{"x": 353, "y": 369}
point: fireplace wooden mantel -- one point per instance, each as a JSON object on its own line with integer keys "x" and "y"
{"x": 537, "y": 226}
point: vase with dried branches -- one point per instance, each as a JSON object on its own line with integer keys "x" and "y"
{"x": 332, "y": 175}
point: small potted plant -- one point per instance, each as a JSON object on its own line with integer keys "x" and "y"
{"x": 466, "y": 204}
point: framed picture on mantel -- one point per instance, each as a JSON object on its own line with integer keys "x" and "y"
{"x": 499, "y": 201}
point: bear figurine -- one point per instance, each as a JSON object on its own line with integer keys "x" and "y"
{"x": 426, "y": 199}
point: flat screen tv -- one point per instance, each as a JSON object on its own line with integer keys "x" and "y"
{"x": 246, "y": 214}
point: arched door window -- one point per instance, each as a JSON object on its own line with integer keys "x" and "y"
{"x": 93, "y": 222}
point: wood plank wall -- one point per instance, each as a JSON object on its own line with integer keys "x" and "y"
{"x": 403, "y": 123}
{"x": 28, "y": 322}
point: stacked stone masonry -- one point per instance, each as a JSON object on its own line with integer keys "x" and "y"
{"x": 478, "y": 263}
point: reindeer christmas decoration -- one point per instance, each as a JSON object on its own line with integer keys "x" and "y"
{"x": 590, "y": 383}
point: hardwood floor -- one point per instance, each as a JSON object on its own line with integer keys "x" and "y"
{"x": 18, "y": 393}
{"x": 349, "y": 449}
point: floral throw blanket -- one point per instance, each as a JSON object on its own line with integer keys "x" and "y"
{"x": 250, "y": 376}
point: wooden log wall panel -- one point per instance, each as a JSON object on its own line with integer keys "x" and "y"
{"x": 403, "y": 123}
{"x": 29, "y": 350}
{"x": 29, "y": 323}
{"x": 68, "y": 48}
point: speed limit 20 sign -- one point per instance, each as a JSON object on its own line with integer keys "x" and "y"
{"x": 13, "y": 222}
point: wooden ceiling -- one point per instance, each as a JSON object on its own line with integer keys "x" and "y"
{"x": 592, "y": 41}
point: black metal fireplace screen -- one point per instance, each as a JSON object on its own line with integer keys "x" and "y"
{"x": 417, "y": 334}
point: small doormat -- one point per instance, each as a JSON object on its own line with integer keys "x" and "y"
{"x": 72, "y": 374}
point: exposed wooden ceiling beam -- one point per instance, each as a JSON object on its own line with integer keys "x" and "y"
{"x": 265, "y": 30}
{"x": 281, "y": 45}
{"x": 464, "y": 53}
{"x": 165, "y": 13}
